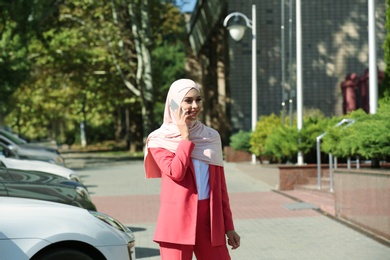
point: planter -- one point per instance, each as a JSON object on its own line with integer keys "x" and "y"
{"x": 232, "y": 155}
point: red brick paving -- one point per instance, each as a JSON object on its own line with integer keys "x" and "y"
{"x": 250, "y": 205}
{"x": 254, "y": 205}
{"x": 129, "y": 208}
{"x": 325, "y": 201}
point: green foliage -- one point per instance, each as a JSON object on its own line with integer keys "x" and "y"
{"x": 168, "y": 65}
{"x": 168, "y": 55}
{"x": 314, "y": 126}
{"x": 21, "y": 21}
{"x": 264, "y": 127}
{"x": 14, "y": 65}
{"x": 281, "y": 143}
{"x": 240, "y": 141}
{"x": 66, "y": 64}
{"x": 385, "y": 86}
{"x": 368, "y": 137}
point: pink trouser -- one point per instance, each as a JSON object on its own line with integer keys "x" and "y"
{"x": 203, "y": 249}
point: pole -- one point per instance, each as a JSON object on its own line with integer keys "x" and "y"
{"x": 299, "y": 75}
{"x": 373, "y": 74}
{"x": 290, "y": 101}
{"x": 318, "y": 140}
{"x": 282, "y": 57}
{"x": 330, "y": 172}
{"x": 254, "y": 76}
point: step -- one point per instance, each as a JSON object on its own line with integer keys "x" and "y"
{"x": 325, "y": 200}
{"x": 313, "y": 188}
{"x": 314, "y": 180}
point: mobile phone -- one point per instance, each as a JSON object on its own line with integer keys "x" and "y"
{"x": 174, "y": 105}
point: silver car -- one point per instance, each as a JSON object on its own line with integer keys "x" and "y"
{"x": 41, "y": 166}
{"x": 15, "y": 151}
{"x": 41, "y": 230}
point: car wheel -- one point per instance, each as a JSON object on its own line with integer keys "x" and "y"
{"x": 64, "y": 254}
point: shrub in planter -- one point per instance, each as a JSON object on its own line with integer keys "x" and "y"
{"x": 313, "y": 127}
{"x": 240, "y": 141}
{"x": 367, "y": 138}
{"x": 264, "y": 127}
{"x": 282, "y": 144}
{"x": 238, "y": 151}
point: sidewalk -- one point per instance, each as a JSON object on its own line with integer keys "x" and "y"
{"x": 271, "y": 225}
{"x": 323, "y": 200}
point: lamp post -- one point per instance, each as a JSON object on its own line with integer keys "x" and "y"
{"x": 299, "y": 75}
{"x": 237, "y": 30}
{"x": 373, "y": 72}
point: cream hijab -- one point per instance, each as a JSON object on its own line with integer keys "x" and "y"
{"x": 208, "y": 147}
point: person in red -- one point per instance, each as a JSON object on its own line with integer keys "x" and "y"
{"x": 195, "y": 215}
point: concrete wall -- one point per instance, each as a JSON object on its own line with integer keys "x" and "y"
{"x": 292, "y": 175}
{"x": 363, "y": 198}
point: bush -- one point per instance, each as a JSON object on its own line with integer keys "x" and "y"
{"x": 240, "y": 141}
{"x": 281, "y": 144}
{"x": 264, "y": 127}
{"x": 313, "y": 127}
{"x": 367, "y": 138}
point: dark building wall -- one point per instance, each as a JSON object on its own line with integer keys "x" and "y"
{"x": 206, "y": 64}
{"x": 269, "y": 91}
{"x": 334, "y": 43}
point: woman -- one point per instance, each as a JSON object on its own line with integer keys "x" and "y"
{"x": 194, "y": 212}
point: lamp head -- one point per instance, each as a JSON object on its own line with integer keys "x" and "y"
{"x": 236, "y": 23}
{"x": 236, "y": 31}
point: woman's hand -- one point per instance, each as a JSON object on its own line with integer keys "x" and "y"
{"x": 181, "y": 118}
{"x": 233, "y": 239}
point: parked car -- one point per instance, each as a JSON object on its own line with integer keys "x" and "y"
{"x": 43, "y": 186}
{"x": 40, "y": 230}
{"x": 41, "y": 166}
{"x": 12, "y": 136}
{"x": 27, "y": 153}
{"x": 16, "y": 140}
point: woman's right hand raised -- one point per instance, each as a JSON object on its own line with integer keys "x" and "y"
{"x": 181, "y": 118}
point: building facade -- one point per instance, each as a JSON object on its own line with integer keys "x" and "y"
{"x": 334, "y": 44}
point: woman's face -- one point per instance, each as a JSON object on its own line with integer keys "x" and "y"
{"x": 192, "y": 104}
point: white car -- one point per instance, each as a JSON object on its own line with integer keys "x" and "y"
{"x": 41, "y": 166}
{"x": 41, "y": 230}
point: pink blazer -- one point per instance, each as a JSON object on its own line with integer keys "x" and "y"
{"x": 179, "y": 199}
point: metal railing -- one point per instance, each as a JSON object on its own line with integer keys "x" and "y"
{"x": 331, "y": 158}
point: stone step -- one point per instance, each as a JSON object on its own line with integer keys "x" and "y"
{"x": 313, "y": 188}
{"x": 314, "y": 180}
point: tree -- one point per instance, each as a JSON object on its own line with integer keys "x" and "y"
{"x": 92, "y": 64}
{"x": 385, "y": 87}
{"x": 21, "y": 21}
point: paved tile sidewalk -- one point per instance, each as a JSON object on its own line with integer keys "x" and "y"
{"x": 271, "y": 225}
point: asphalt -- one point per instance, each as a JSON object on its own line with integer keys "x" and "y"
{"x": 272, "y": 225}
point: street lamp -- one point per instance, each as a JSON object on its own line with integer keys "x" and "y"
{"x": 237, "y": 30}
